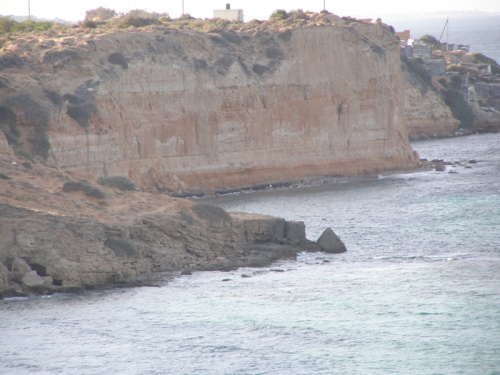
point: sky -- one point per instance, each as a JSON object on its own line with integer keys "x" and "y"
{"x": 252, "y": 9}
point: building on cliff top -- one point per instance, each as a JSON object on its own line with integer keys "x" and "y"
{"x": 229, "y": 14}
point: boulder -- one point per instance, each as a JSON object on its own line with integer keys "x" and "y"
{"x": 19, "y": 269}
{"x": 440, "y": 167}
{"x": 32, "y": 280}
{"x": 329, "y": 242}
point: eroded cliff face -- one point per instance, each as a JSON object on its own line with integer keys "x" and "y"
{"x": 192, "y": 110}
{"x": 426, "y": 114}
{"x": 71, "y": 253}
{"x": 54, "y": 239}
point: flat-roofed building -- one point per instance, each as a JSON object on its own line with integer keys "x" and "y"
{"x": 229, "y": 14}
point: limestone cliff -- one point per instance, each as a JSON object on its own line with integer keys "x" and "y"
{"x": 426, "y": 114}
{"x": 178, "y": 109}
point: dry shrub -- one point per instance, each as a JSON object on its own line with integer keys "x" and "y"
{"x": 122, "y": 247}
{"x": 118, "y": 59}
{"x": 85, "y": 187}
{"x": 38, "y": 116}
{"x": 211, "y": 213}
{"x": 120, "y": 182}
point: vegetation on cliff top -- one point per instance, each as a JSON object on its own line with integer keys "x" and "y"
{"x": 8, "y": 25}
{"x": 103, "y": 19}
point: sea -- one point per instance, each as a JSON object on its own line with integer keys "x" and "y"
{"x": 417, "y": 292}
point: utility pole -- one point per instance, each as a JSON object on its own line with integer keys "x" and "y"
{"x": 182, "y": 7}
{"x": 447, "y": 35}
{"x": 29, "y": 10}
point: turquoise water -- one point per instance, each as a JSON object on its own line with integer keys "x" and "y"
{"x": 418, "y": 291}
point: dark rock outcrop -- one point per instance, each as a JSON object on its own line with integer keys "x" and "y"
{"x": 74, "y": 253}
{"x": 329, "y": 242}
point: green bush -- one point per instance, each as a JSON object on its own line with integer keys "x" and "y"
{"x": 100, "y": 14}
{"x": 33, "y": 110}
{"x": 430, "y": 41}
{"x": 81, "y": 106}
{"x": 84, "y": 186}
{"x": 278, "y": 14}
{"x": 211, "y": 213}
{"x": 459, "y": 108}
{"x": 120, "y": 182}
{"x": 89, "y": 24}
{"x": 8, "y": 25}
{"x": 118, "y": 59}
{"x": 4, "y": 82}
{"x": 417, "y": 68}
{"x": 122, "y": 247}
{"x": 53, "y": 96}
{"x": 41, "y": 144}
{"x": 141, "y": 13}
{"x": 8, "y": 125}
{"x": 81, "y": 114}
{"x": 8, "y": 60}
{"x": 456, "y": 82}
{"x": 298, "y": 14}
{"x": 444, "y": 82}
{"x": 23, "y": 153}
{"x": 128, "y": 21}
{"x": 38, "y": 115}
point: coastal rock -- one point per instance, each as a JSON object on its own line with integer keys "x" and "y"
{"x": 426, "y": 114}
{"x": 75, "y": 253}
{"x": 32, "y": 280}
{"x": 295, "y": 232}
{"x": 329, "y": 242}
{"x": 439, "y": 167}
{"x": 194, "y": 111}
{"x": 19, "y": 268}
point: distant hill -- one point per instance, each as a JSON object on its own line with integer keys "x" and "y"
{"x": 33, "y": 18}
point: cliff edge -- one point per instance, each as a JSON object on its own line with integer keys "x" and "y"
{"x": 193, "y": 110}
{"x": 172, "y": 110}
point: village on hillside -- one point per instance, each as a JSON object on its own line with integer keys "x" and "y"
{"x": 454, "y": 66}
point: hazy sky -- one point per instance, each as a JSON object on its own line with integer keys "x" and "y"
{"x": 74, "y": 10}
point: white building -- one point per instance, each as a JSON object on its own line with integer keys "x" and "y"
{"x": 229, "y": 14}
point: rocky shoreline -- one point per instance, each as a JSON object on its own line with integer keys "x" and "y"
{"x": 41, "y": 253}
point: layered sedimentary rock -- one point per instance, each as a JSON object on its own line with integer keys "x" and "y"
{"x": 185, "y": 109}
{"x": 49, "y": 252}
{"x": 426, "y": 114}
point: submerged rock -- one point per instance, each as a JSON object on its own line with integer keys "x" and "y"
{"x": 329, "y": 242}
